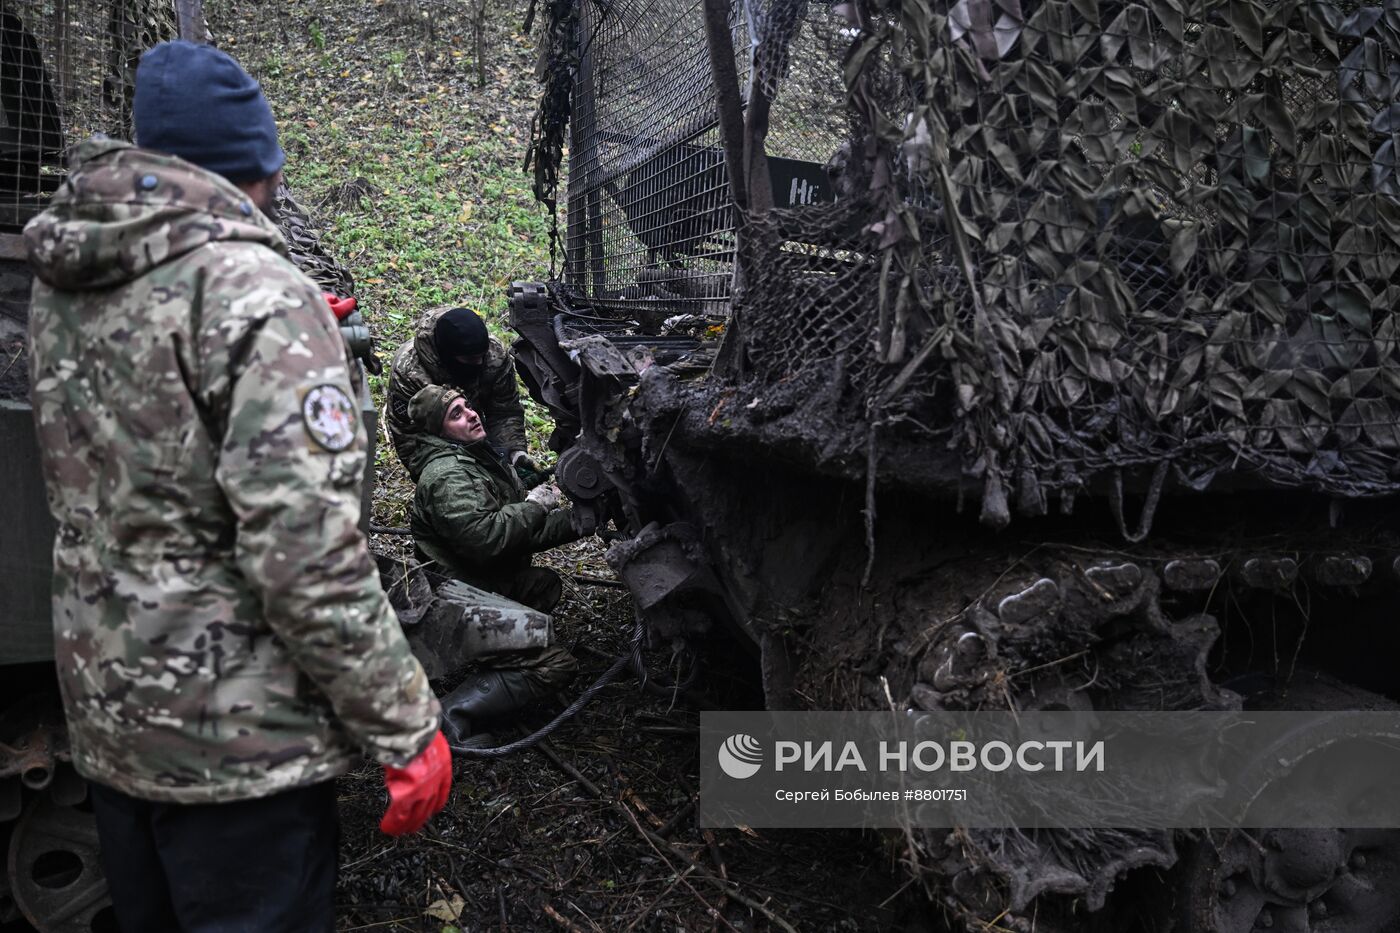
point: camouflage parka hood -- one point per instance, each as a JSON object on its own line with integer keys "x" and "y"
{"x": 124, "y": 211}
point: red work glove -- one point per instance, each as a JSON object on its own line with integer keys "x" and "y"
{"x": 418, "y": 789}
{"x": 340, "y": 307}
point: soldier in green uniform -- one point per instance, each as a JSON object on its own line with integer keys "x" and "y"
{"x": 472, "y": 516}
{"x": 222, "y": 643}
{"x": 451, "y": 347}
{"x": 471, "y": 513}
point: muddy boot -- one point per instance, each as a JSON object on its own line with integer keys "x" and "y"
{"x": 483, "y": 697}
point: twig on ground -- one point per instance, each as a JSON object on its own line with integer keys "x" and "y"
{"x": 501, "y": 906}
{"x": 657, "y": 900}
{"x": 562, "y": 920}
{"x": 631, "y": 797}
{"x": 694, "y": 866}
{"x": 677, "y": 818}
{"x": 657, "y": 842}
{"x": 598, "y": 581}
{"x": 709, "y": 838}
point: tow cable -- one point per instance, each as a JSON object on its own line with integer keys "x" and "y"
{"x": 632, "y": 656}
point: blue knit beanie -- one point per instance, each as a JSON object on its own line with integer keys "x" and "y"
{"x": 195, "y": 102}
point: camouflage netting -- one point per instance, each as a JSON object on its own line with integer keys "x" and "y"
{"x": 1067, "y": 239}
{"x": 1064, "y": 241}
{"x": 1108, "y": 235}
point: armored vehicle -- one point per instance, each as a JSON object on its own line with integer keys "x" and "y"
{"x": 989, "y": 354}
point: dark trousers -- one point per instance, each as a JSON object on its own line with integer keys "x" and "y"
{"x": 537, "y": 587}
{"x": 249, "y": 866}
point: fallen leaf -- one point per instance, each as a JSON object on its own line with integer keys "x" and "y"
{"x": 446, "y": 910}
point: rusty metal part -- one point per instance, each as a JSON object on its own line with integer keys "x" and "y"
{"x": 31, "y": 758}
{"x": 673, "y": 587}
{"x": 547, "y": 371}
{"x": 33, "y": 741}
{"x": 54, "y": 872}
{"x": 584, "y": 481}
{"x": 580, "y": 475}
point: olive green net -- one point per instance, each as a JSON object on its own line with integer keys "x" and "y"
{"x": 1062, "y": 239}
{"x": 1075, "y": 237}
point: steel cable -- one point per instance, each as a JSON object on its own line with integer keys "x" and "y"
{"x": 631, "y": 656}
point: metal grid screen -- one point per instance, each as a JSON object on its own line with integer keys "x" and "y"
{"x": 66, "y": 72}
{"x": 650, "y": 226}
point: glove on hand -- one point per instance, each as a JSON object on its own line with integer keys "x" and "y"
{"x": 418, "y": 789}
{"x": 342, "y": 308}
{"x": 527, "y": 469}
{"x": 546, "y": 495}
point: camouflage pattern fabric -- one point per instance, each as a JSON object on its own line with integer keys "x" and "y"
{"x": 304, "y": 247}
{"x": 429, "y": 406}
{"x": 220, "y": 630}
{"x": 494, "y": 397}
{"x": 470, "y": 515}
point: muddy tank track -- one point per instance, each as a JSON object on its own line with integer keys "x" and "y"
{"x": 923, "y": 608}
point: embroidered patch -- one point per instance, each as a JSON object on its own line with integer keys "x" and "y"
{"x": 329, "y": 415}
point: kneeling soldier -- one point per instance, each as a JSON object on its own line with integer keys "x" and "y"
{"x": 472, "y": 516}
{"x": 470, "y": 512}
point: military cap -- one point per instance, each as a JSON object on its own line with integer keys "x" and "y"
{"x": 429, "y": 406}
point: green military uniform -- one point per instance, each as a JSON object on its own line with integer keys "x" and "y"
{"x": 470, "y": 515}
{"x": 495, "y": 396}
{"x": 220, "y": 630}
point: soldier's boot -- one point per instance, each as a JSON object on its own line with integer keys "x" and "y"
{"x": 489, "y": 696}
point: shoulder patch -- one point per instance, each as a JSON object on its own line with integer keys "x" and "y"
{"x": 328, "y": 414}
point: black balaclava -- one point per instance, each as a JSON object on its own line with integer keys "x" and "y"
{"x": 460, "y": 333}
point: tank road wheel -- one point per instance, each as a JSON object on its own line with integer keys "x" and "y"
{"x": 54, "y": 872}
{"x": 1296, "y": 880}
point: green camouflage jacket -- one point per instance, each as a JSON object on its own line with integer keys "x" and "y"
{"x": 220, "y": 631}
{"x": 470, "y": 515}
{"x": 494, "y": 396}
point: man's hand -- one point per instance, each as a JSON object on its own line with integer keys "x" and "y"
{"x": 528, "y": 470}
{"x": 547, "y": 495}
{"x": 418, "y": 789}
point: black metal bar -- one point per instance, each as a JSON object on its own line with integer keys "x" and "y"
{"x": 583, "y": 153}
{"x": 729, "y": 102}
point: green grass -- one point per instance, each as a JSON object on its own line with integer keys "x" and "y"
{"x": 362, "y": 92}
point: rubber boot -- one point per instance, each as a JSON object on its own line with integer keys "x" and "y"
{"x": 493, "y": 695}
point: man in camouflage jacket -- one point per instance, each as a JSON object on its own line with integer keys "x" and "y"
{"x": 223, "y": 645}
{"x": 489, "y": 388}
